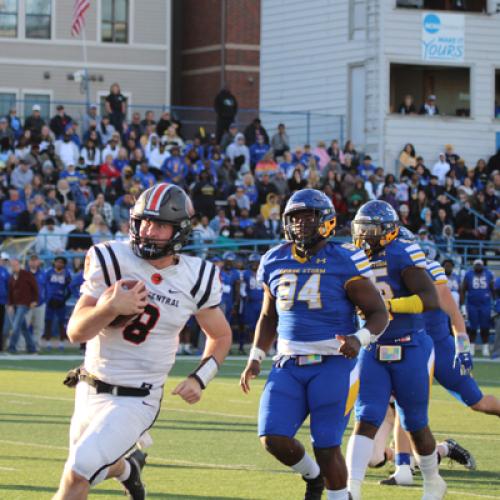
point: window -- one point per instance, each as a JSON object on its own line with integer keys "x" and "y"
{"x": 357, "y": 23}
{"x": 38, "y": 13}
{"x": 450, "y": 86}
{"x": 453, "y": 5}
{"x": 43, "y": 100}
{"x": 114, "y": 24}
{"x": 8, "y": 18}
{"x": 7, "y": 101}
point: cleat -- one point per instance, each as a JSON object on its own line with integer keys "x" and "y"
{"x": 435, "y": 489}
{"x": 486, "y": 350}
{"x": 133, "y": 485}
{"x": 314, "y": 488}
{"x": 402, "y": 477}
{"x": 460, "y": 455}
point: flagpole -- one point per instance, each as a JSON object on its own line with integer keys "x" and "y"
{"x": 85, "y": 69}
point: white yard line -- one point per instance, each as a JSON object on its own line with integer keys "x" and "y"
{"x": 9, "y": 469}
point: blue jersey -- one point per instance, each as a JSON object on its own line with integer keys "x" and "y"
{"x": 311, "y": 298}
{"x": 437, "y": 323}
{"x": 388, "y": 266}
{"x": 454, "y": 282}
{"x": 57, "y": 284}
{"x": 478, "y": 287}
{"x": 41, "y": 281}
{"x": 76, "y": 282}
{"x": 253, "y": 289}
{"x": 4, "y": 285}
{"x": 497, "y": 292}
{"x": 228, "y": 279}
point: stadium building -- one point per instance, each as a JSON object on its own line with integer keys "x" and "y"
{"x": 360, "y": 58}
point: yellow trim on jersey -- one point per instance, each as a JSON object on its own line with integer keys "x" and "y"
{"x": 297, "y": 257}
{"x": 354, "y": 278}
{"x": 362, "y": 265}
{"x": 352, "y": 396}
{"x": 441, "y": 282}
{"x": 417, "y": 256}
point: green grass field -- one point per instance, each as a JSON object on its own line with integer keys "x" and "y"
{"x": 210, "y": 450}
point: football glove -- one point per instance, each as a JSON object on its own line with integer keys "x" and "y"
{"x": 463, "y": 357}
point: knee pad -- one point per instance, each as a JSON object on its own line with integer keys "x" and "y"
{"x": 88, "y": 463}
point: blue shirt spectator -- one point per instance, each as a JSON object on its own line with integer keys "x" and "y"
{"x": 366, "y": 168}
{"x": 258, "y": 150}
{"x": 4, "y": 285}
{"x": 144, "y": 176}
{"x": 174, "y": 168}
{"x": 11, "y": 209}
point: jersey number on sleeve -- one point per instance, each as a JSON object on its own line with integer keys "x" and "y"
{"x": 309, "y": 292}
{"x": 137, "y": 331}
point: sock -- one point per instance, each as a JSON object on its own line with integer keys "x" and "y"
{"x": 403, "y": 474}
{"x": 337, "y": 494}
{"x": 402, "y": 459}
{"x": 443, "y": 450}
{"x": 126, "y": 472}
{"x": 359, "y": 452}
{"x": 307, "y": 467}
{"x": 428, "y": 465}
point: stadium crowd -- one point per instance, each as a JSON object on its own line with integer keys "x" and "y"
{"x": 73, "y": 184}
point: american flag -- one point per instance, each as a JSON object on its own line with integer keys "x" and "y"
{"x": 78, "y": 21}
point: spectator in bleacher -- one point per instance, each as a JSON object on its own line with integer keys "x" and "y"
{"x": 35, "y": 318}
{"x": 4, "y": 296}
{"x": 149, "y": 120}
{"x": 79, "y": 240}
{"x": 67, "y": 150}
{"x": 121, "y": 160}
{"x": 321, "y": 154}
{"x": 441, "y": 168}
{"x": 49, "y": 240}
{"x": 164, "y": 122}
{"x": 116, "y": 107}
{"x": 106, "y": 130}
{"x": 480, "y": 174}
{"x": 144, "y": 176}
{"x": 34, "y": 122}
{"x": 226, "y": 108}
{"x": 258, "y": 150}
{"x": 335, "y": 152}
{"x": 253, "y": 130}
{"x": 14, "y": 122}
{"x": 21, "y": 175}
{"x": 273, "y": 225}
{"x": 113, "y": 146}
{"x": 229, "y": 136}
{"x": 11, "y": 209}
{"x": 239, "y": 154}
{"x": 204, "y": 233}
{"x": 427, "y": 245}
{"x": 172, "y": 138}
{"x": 102, "y": 233}
{"x": 90, "y": 119}
{"x": 296, "y": 182}
{"x": 271, "y": 206}
{"x": 407, "y": 107}
{"x": 219, "y": 222}
{"x": 122, "y": 207}
{"x": 23, "y": 295}
{"x": 407, "y": 158}
{"x": 366, "y": 168}
{"x": 350, "y": 150}
{"x": 280, "y": 142}
{"x": 123, "y": 231}
{"x": 59, "y": 122}
{"x": 281, "y": 183}
{"x": 232, "y": 209}
{"x": 91, "y": 154}
{"x": 135, "y": 125}
{"x": 101, "y": 207}
{"x": 6, "y": 131}
{"x": 159, "y": 154}
{"x": 287, "y": 166}
{"x": 429, "y": 106}
{"x": 174, "y": 168}
{"x": 358, "y": 197}
{"x": 46, "y": 138}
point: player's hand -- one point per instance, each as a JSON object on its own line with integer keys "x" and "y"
{"x": 463, "y": 356}
{"x": 189, "y": 390}
{"x": 251, "y": 371}
{"x": 126, "y": 301}
{"x": 349, "y": 345}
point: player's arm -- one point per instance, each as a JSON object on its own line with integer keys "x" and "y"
{"x": 423, "y": 293}
{"x": 365, "y": 295}
{"x": 463, "y": 357}
{"x": 91, "y": 315}
{"x": 219, "y": 337}
{"x": 463, "y": 291}
{"x": 265, "y": 333}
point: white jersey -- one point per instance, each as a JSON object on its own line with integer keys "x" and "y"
{"x": 144, "y": 350}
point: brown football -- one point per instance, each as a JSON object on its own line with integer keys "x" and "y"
{"x": 122, "y": 319}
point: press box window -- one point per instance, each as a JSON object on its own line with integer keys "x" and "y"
{"x": 450, "y": 85}
{"x": 451, "y": 5}
{"x": 114, "y": 24}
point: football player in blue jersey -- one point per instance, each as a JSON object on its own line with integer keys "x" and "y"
{"x": 495, "y": 353}
{"x": 230, "y": 279}
{"x": 453, "y": 366}
{"x": 312, "y": 288}
{"x": 453, "y": 279}
{"x": 477, "y": 292}
{"x": 402, "y": 361}
{"x": 254, "y": 294}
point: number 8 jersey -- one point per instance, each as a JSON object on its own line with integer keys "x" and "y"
{"x": 144, "y": 350}
{"x": 311, "y": 298}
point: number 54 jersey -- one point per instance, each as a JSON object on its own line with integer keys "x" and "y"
{"x": 143, "y": 351}
{"x": 311, "y": 297}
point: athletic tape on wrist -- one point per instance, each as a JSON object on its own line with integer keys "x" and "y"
{"x": 206, "y": 371}
{"x": 364, "y": 336}
{"x": 462, "y": 342}
{"x": 257, "y": 354}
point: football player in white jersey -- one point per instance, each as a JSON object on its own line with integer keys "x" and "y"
{"x": 120, "y": 385}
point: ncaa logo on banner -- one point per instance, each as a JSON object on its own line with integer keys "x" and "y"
{"x": 443, "y": 37}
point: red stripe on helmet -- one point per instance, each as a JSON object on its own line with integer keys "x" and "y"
{"x": 156, "y": 196}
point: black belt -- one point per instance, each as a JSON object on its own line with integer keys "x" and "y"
{"x": 116, "y": 390}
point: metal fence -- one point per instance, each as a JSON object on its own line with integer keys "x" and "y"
{"x": 303, "y": 127}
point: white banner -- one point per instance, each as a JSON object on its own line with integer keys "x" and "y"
{"x": 443, "y": 37}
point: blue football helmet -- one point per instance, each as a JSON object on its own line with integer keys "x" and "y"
{"x": 309, "y": 217}
{"x": 375, "y": 225}
{"x": 406, "y": 234}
